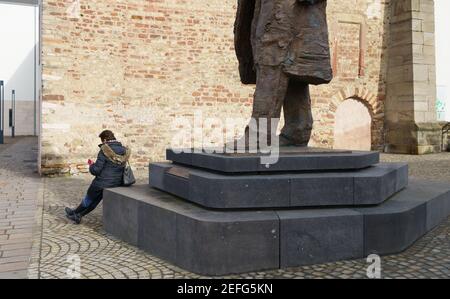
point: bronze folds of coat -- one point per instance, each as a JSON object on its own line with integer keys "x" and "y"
{"x": 292, "y": 34}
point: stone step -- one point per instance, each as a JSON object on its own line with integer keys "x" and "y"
{"x": 370, "y": 186}
{"x": 211, "y": 242}
{"x": 289, "y": 159}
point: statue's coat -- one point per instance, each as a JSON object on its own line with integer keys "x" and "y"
{"x": 288, "y": 33}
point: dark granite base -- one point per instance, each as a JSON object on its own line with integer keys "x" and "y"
{"x": 370, "y": 186}
{"x": 290, "y": 159}
{"x": 226, "y": 242}
{"x": 202, "y": 241}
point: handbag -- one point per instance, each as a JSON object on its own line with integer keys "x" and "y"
{"x": 128, "y": 176}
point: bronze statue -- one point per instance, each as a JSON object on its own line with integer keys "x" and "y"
{"x": 282, "y": 47}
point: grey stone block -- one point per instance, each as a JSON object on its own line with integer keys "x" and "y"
{"x": 369, "y": 186}
{"x": 287, "y": 161}
{"x": 438, "y": 208}
{"x": 376, "y": 184}
{"x": 224, "y": 163}
{"x": 331, "y": 162}
{"x": 321, "y": 190}
{"x": 182, "y": 156}
{"x": 320, "y": 236}
{"x": 159, "y": 178}
{"x": 201, "y": 241}
{"x": 222, "y": 192}
{"x": 177, "y": 185}
{"x": 396, "y": 224}
{"x": 157, "y": 173}
{"x": 228, "y": 243}
{"x": 437, "y": 211}
{"x": 157, "y": 231}
{"x": 394, "y": 232}
{"x": 402, "y": 177}
{"x": 158, "y": 222}
{"x": 402, "y": 170}
{"x": 120, "y": 214}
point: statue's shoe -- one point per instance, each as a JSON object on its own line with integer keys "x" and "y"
{"x": 284, "y": 141}
{"x": 287, "y": 141}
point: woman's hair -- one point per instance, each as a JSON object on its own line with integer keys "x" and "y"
{"x": 107, "y": 135}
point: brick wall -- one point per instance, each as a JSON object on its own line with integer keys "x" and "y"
{"x": 134, "y": 66}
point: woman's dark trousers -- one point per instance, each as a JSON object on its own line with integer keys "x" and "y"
{"x": 93, "y": 198}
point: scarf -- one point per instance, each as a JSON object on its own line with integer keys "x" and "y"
{"x": 115, "y": 158}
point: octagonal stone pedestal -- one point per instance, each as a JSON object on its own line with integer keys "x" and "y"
{"x": 221, "y": 242}
{"x": 219, "y": 214}
{"x": 364, "y": 187}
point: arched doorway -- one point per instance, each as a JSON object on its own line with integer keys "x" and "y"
{"x": 353, "y": 126}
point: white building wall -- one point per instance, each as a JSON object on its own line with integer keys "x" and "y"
{"x": 442, "y": 12}
{"x": 18, "y": 39}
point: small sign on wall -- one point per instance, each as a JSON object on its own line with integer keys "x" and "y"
{"x": 443, "y": 104}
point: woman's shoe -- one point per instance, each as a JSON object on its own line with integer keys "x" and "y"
{"x": 69, "y": 211}
{"x": 75, "y": 218}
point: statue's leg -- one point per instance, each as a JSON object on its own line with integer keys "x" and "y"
{"x": 271, "y": 88}
{"x": 298, "y": 115}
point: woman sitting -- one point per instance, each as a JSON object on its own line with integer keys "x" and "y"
{"x": 108, "y": 171}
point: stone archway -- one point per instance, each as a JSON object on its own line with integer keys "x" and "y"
{"x": 370, "y": 101}
{"x": 353, "y": 126}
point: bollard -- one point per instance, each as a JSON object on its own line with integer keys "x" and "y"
{"x": 2, "y": 111}
{"x": 13, "y": 114}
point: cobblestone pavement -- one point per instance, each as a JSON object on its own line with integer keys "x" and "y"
{"x": 20, "y": 187}
{"x": 57, "y": 243}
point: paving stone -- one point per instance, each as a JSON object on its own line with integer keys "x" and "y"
{"x": 14, "y": 275}
{"x": 19, "y": 188}
{"x": 14, "y": 266}
{"x": 14, "y": 259}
